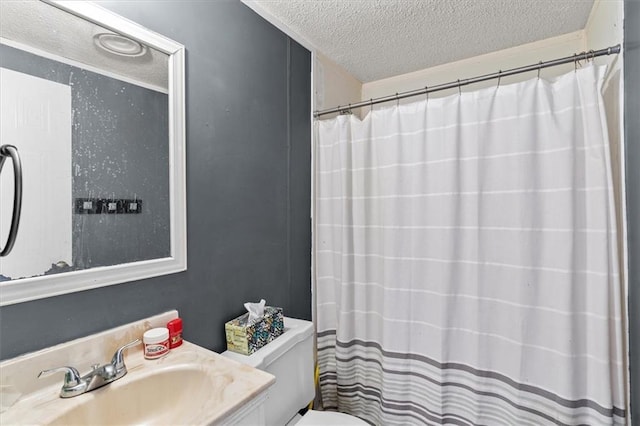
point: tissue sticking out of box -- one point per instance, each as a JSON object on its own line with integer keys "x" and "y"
{"x": 246, "y": 337}
{"x": 256, "y": 310}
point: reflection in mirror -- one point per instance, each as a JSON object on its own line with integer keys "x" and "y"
{"x": 89, "y": 110}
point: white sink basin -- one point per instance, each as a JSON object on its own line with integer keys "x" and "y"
{"x": 190, "y": 385}
{"x": 163, "y": 397}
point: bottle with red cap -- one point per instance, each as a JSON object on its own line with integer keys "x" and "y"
{"x": 175, "y": 332}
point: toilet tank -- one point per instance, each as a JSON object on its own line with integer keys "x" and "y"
{"x": 290, "y": 359}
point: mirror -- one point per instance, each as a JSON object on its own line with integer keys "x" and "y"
{"x": 94, "y": 104}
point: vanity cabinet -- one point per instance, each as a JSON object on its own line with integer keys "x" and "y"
{"x": 251, "y": 414}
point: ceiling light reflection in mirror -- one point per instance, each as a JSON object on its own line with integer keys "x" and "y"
{"x": 50, "y": 30}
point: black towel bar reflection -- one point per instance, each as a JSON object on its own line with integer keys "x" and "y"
{"x": 5, "y": 152}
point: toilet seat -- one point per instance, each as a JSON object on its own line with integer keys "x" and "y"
{"x": 323, "y": 418}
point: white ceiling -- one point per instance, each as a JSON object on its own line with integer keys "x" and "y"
{"x": 375, "y": 39}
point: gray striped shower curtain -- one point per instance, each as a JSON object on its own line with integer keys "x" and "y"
{"x": 466, "y": 262}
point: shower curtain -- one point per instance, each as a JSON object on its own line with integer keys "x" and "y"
{"x": 466, "y": 262}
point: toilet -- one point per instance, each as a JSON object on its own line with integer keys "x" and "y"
{"x": 290, "y": 359}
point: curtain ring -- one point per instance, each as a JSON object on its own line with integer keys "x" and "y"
{"x": 575, "y": 62}
{"x": 539, "y": 68}
{"x": 371, "y": 105}
{"x": 499, "y": 78}
{"x": 593, "y": 55}
{"x": 397, "y": 99}
{"x": 426, "y": 91}
{"x": 459, "y": 88}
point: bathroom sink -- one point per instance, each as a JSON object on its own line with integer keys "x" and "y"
{"x": 191, "y": 385}
{"x": 169, "y": 396}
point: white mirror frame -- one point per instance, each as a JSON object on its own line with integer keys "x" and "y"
{"x": 25, "y": 289}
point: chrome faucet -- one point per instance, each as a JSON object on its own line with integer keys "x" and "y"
{"x": 99, "y": 376}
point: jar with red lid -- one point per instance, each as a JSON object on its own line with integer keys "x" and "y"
{"x": 156, "y": 343}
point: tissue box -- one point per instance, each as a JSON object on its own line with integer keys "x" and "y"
{"x": 246, "y": 338}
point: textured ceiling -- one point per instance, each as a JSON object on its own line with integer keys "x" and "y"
{"x": 375, "y": 39}
{"x": 49, "y": 29}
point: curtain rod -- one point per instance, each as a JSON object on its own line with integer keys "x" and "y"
{"x": 459, "y": 83}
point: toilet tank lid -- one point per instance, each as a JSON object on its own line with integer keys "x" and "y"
{"x": 295, "y": 331}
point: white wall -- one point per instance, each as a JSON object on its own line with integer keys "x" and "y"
{"x": 605, "y": 26}
{"x": 526, "y": 54}
{"x": 333, "y": 85}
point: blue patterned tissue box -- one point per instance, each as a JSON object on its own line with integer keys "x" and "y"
{"x": 246, "y": 338}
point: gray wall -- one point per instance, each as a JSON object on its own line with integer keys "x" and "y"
{"x": 248, "y": 186}
{"x": 120, "y": 150}
{"x": 632, "y": 137}
{"x": 120, "y": 147}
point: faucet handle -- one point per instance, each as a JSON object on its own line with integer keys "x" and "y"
{"x": 71, "y": 377}
{"x": 73, "y": 384}
{"x": 118, "y": 359}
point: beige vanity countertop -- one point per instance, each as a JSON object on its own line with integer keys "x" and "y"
{"x": 229, "y": 386}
